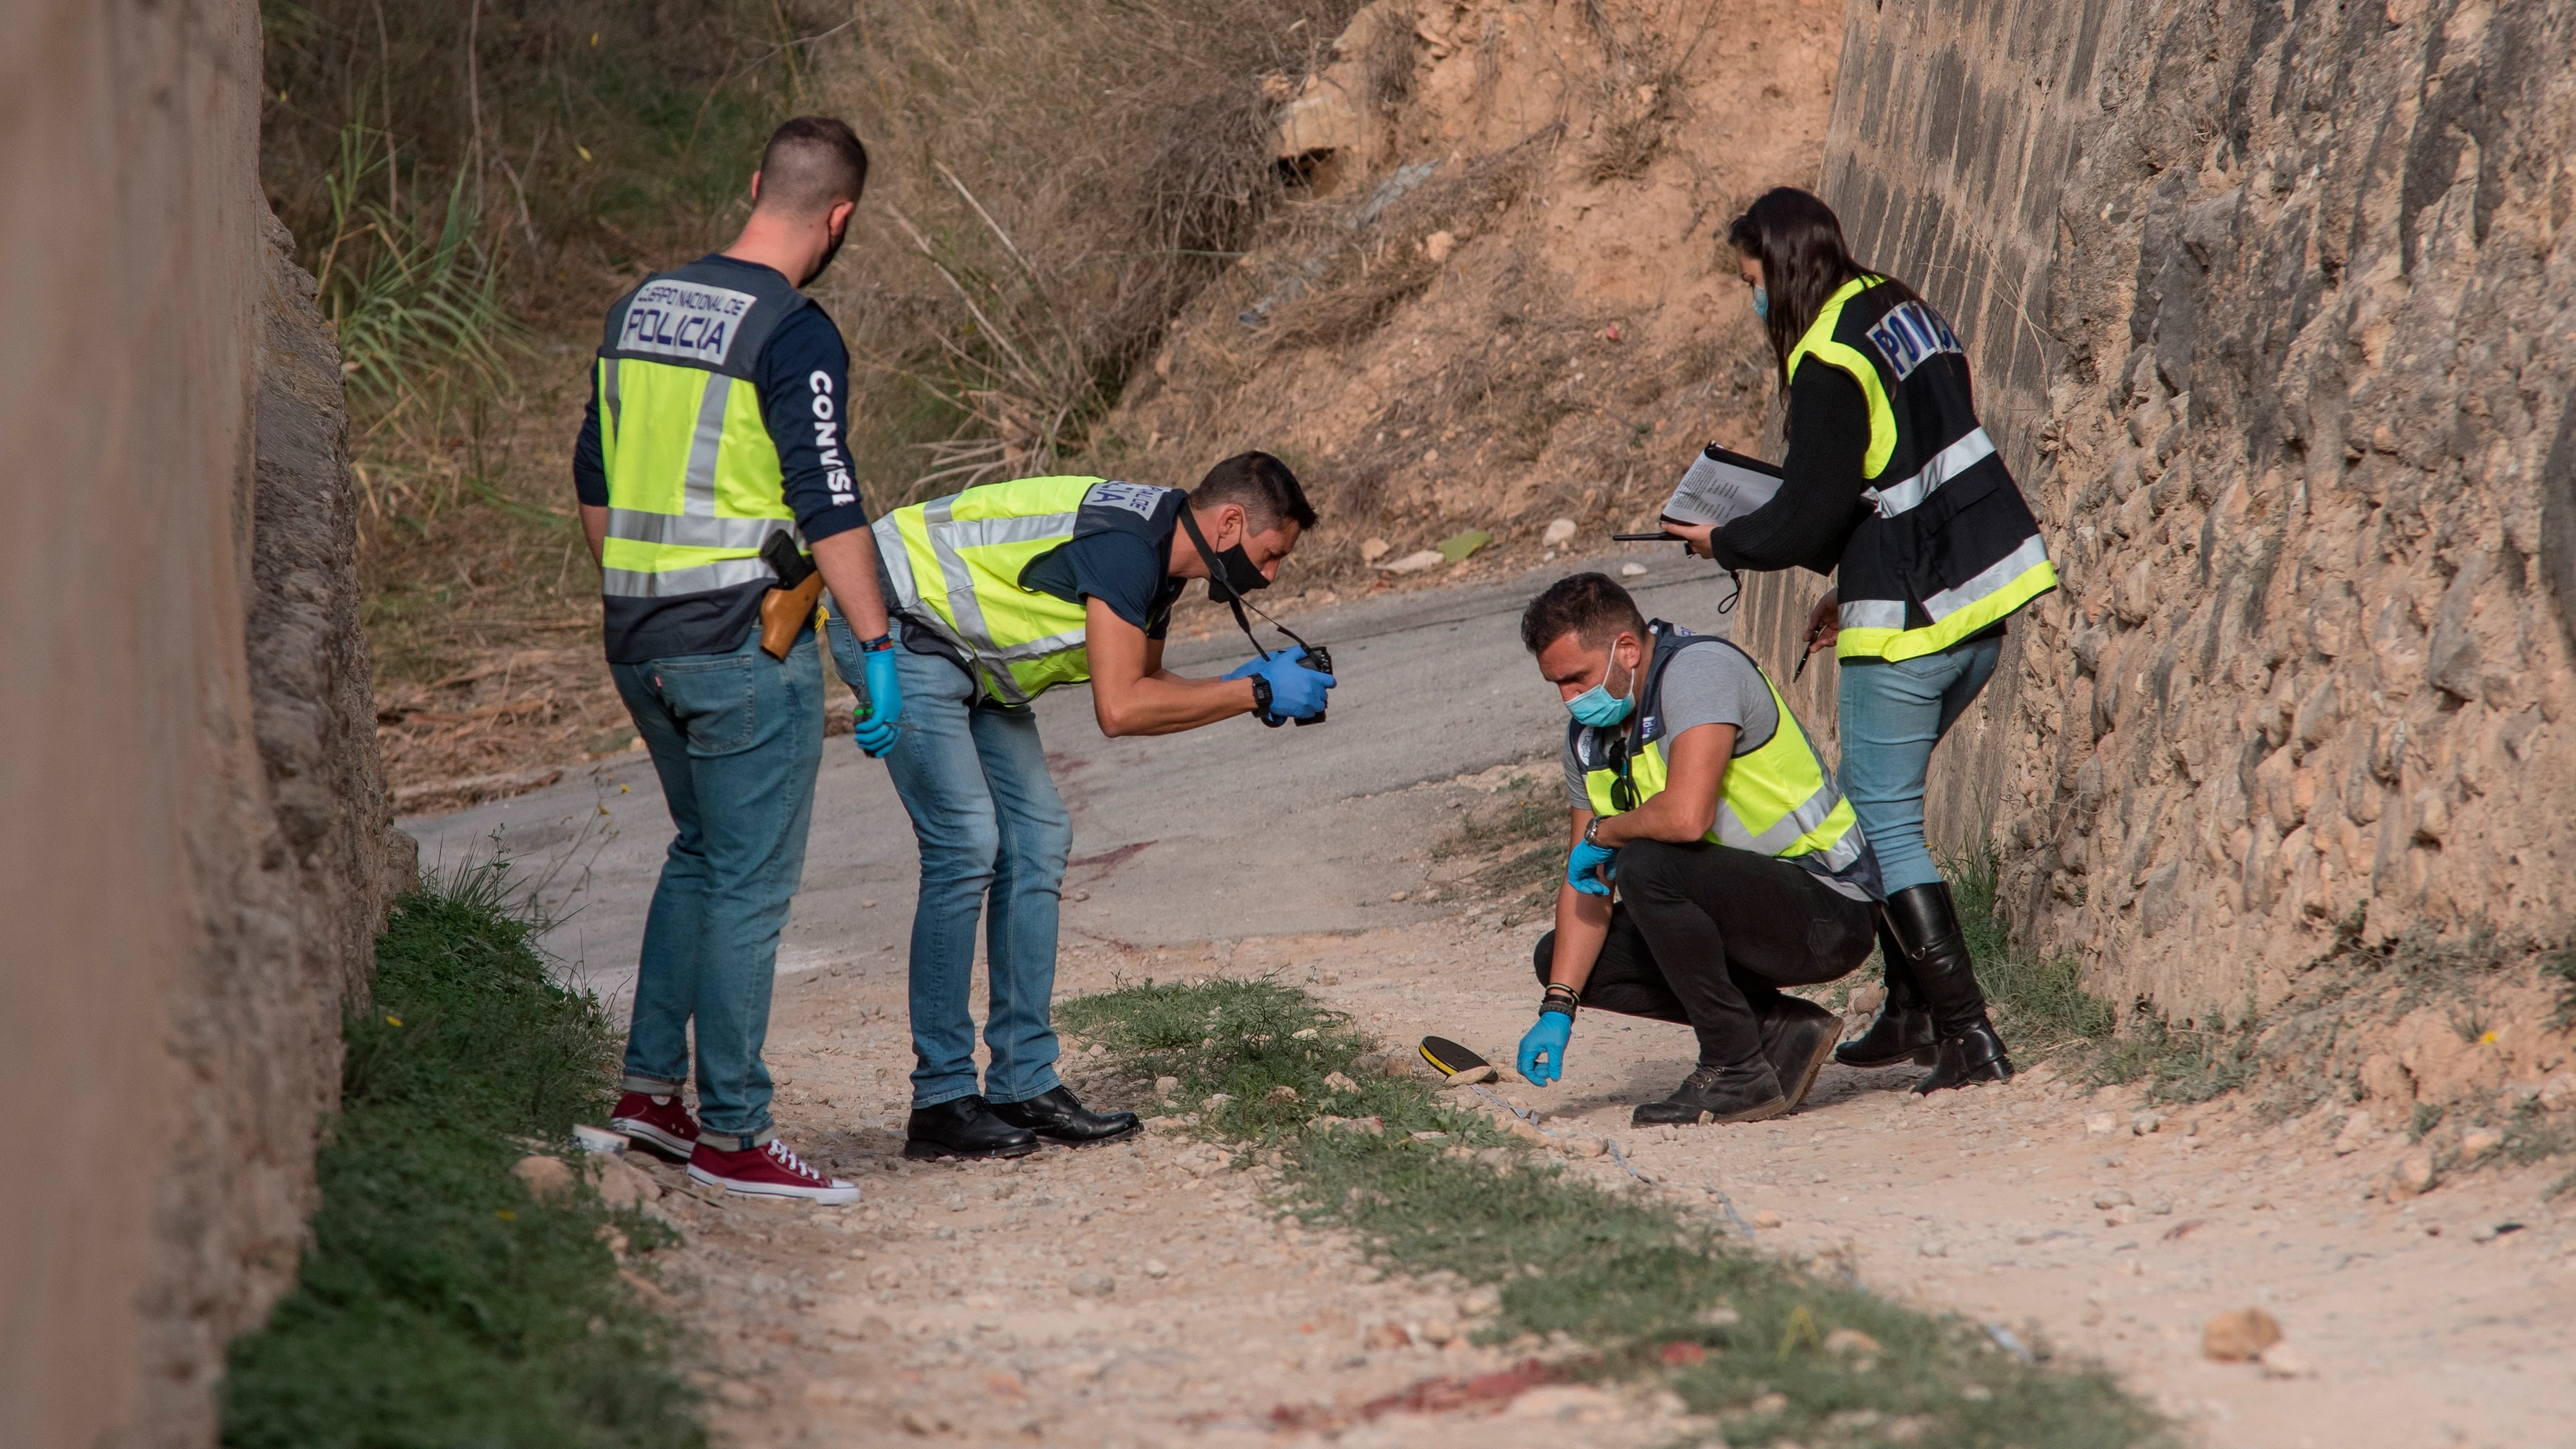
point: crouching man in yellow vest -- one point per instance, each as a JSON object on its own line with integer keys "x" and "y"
{"x": 1001, "y": 593}
{"x": 1739, "y": 866}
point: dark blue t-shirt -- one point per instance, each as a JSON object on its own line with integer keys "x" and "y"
{"x": 804, "y": 384}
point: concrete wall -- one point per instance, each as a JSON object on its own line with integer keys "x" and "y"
{"x": 193, "y": 841}
{"x": 2271, "y": 315}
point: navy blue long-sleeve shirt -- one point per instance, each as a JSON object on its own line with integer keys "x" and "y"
{"x": 804, "y": 383}
{"x": 1807, "y": 522}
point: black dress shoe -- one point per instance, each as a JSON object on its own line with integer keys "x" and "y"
{"x": 1797, "y": 1038}
{"x": 1057, "y": 1117}
{"x": 1718, "y": 1094}
{"x": 966, "y": 1127}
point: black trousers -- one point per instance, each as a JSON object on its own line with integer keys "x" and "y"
{"x": 1706, "y": 935}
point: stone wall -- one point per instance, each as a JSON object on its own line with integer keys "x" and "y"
{"x": 194, "y": 846}
{"x": 2270, "y": 314}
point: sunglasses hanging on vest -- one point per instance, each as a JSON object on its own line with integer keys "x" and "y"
{"x": 1231, "y": 575}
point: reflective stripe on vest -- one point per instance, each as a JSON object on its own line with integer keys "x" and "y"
{"x": 1875, "y": 628}
{"x": 1949, "y": 463}
{"x": 1778, "y": 800}
{"x": 977, "y": 543}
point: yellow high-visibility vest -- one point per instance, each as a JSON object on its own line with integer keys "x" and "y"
{"x": 953, "y": 566}
{"x": 1778, "y": 800}
{"x": 694, "y": 483}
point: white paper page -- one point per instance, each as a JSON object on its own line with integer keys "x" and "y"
{"x": 1720, "y": 487}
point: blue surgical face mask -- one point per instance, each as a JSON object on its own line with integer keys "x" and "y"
{"x": 1762, "y": 303}
{"x": 1598, "y": 707}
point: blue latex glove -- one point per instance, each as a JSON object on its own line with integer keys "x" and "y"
{"x": 877, "y": 720}
{"x": 1542, "y": 1058}
{"x": 1296, "y": 692}
{"x": 1590, "y": 868}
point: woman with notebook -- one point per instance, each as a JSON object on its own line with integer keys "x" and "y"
{"x": 1892, "y": 486}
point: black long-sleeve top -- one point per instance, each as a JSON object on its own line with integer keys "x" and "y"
{"x": 1806, "y": 523}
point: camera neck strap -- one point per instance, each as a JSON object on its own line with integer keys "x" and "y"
{"x": 1220, "y": 587}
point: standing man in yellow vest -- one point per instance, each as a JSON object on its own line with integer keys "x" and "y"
{"x": 1739, "y": 866}
{"x": 1001, "y": 593}
{"x": 714, "y": 428}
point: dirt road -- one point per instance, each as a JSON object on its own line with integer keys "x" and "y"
{"x": 1140, "y": 1294}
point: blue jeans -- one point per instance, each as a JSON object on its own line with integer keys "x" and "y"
{"x": 1893, "y": 713}
{"x": 973, "y": 776}
{"x": 736, "y": 739}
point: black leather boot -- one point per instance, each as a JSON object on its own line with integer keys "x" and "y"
{"x": 1903, "y": 1030}
{"x": 1966, "y": 1048}
{"x": 1718, "y": 1094}
{"x": 1057, "y": 1117}
{"x": 1797, "y": 1037}
{"x": 1974, "y": 1055}
{"x": 965, "y": 1127}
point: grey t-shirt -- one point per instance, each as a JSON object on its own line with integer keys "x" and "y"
{"x": 1717, "y": 684}
{"x": 1705, "y": 684}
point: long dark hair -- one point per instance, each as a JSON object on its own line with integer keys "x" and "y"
{"x": 1799, "y": 242}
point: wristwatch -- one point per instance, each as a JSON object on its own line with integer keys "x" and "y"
{"x": 1261, "y": 701}
{"x": 1589, "y": 827}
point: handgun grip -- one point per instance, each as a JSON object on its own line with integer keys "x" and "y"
{"x": 784, "y": 613}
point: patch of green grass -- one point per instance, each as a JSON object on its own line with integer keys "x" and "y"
{"x": 2040, "y": 1004}
{"x": 439, "y": 1304}
{"x": 1625, "y": 1275}
{"x": 2181, "y": 1063}
{"x": 2532, "y": 1134}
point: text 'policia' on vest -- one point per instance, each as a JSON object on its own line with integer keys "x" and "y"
{"x": 953, "y": 567}
{"x": 694, "y": 484}
{"x": 1778, "y": 799}
{"x": 1948, "y": 548}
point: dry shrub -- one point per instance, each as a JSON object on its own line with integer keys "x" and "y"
{"x": 1107, "y": 164}
{"x": 1335, "y": 316}
{"x": 1387, "y": 61}
{"x": 1642, "y": 85}
{"x": 1377, "y": 267}
{"x": 1640, "y": 120}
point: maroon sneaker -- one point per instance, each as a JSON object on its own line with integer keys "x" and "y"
{"x": 658, "y": 1124}
{"x": 767, "y": 1171}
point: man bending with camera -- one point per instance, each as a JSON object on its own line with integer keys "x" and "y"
{"x": 1001, "y": 593}
{"x": 1739, "y": 867}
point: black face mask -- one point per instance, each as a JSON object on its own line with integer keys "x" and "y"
{"x": 1232, "y": 573}
{"x": 825, "y": 264}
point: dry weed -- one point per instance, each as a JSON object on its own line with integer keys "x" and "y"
{"x": 1087, "y": 207}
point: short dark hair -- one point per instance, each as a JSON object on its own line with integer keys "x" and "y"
{"x": 812, "y": 164}
{"x": 1589, "y": 606}
{"x": 1799, "y": 242}
{"x": 1269, "y": 493}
